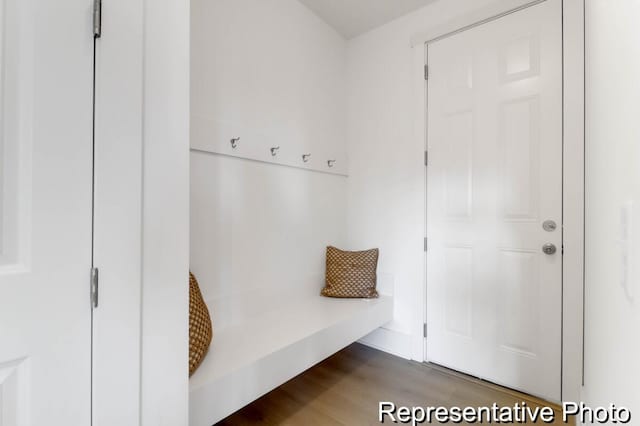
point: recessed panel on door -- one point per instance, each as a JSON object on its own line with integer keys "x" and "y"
{"x": 458, "y": 177}
{"x": 519, "y": 316}
{"x": 459, "y": 294}
{"x": 519, "y": 145}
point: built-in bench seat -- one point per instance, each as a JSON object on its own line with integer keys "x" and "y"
{"x": 254, "y": 354}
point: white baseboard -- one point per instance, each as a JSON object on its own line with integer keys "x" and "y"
{"x": 390, "y": 341}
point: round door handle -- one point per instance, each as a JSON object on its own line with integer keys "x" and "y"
{"x": 549, "y": 225}
{"x": 549, "y": 249}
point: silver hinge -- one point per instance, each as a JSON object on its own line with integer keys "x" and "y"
{"x": 426, "y": 158}
{"x": 97, "y": 18}
{"x": 424, "y": 330}
{"x": 95, "y": 283}
{"x": 426, "y": 72}
{"x": 425, "y": 243}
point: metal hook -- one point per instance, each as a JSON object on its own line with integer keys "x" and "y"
{"x": 274, "y": 151}
{"x": 330, "y": 163}
{"x": 234, "y": 142}
{"x": 305, "y": 157}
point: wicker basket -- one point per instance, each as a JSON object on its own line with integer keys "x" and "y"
{"x": 200, "y": 329}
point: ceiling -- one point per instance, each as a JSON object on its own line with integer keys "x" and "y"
{"x": 354, "y": 17}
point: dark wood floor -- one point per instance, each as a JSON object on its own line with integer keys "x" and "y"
{"x": 346, "y": 388}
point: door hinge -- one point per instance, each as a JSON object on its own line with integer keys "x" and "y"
{"x": 97, "y": 18}
{"x": 426, "y": 72}
{"x": 95, "y": 286}
{"x": 424, "y": 330}
{"x": 425, "y": 244}
{"x": 426, "y": 158}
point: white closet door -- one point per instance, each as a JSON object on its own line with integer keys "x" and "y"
{"x": 494, "y": 178}
{"x": 46, "y": 66}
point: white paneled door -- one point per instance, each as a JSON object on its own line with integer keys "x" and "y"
{"x": 494, "y": 191}
{"x": 46, "y": 63}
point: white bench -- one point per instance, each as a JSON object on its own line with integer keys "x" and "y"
{"x": 256, "y": 350}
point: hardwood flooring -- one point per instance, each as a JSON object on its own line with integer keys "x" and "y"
{"x": 346, "y": 388}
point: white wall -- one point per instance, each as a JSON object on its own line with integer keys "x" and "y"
{"x": 386, "y": 190}
{"x": 270, "y": 72}
{"x": 612, "y": 346}
{"x": 261, "y": 228}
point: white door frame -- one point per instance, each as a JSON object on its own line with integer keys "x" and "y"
{"x": 573, "y": 173}
{"x": 140, "y": 333}
{"x": 117, "y": 242}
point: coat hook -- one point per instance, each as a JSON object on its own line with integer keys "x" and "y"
{"x": 234, "y": 142}
{"x": 330, "y": 163}
{"x": 305, "y": 157}
{"x": 274, "y": 151}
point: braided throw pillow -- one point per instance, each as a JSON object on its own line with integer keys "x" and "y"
{"x": 351, "y": 274}
{"x": 200, "y": 330}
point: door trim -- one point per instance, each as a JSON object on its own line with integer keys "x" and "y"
{"x": 118, "y": 186}
{"x": 141, "y": 332}
{"x": 483, "y": 21}
{"x": 471, "y": 18}
{"x": 573, "y": 35}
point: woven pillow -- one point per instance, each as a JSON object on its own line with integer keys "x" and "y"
{"x": 200, "y": 330}
{"x": 351, "y": 274}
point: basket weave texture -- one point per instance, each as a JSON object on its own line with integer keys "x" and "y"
{"x": 351, "y": 274}
{"x": 200, "y": 329}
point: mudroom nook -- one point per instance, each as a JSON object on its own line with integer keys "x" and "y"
{"x": 323, "y": 212}
{"x": 269, "y": 178}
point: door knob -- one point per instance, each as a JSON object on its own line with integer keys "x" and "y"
{"x": 549, "y": 248}
{"x": 549, "y": 225}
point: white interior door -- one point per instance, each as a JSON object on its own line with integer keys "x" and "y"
{"x": 494, "y": 178}
{"x": 46, "y": 73}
